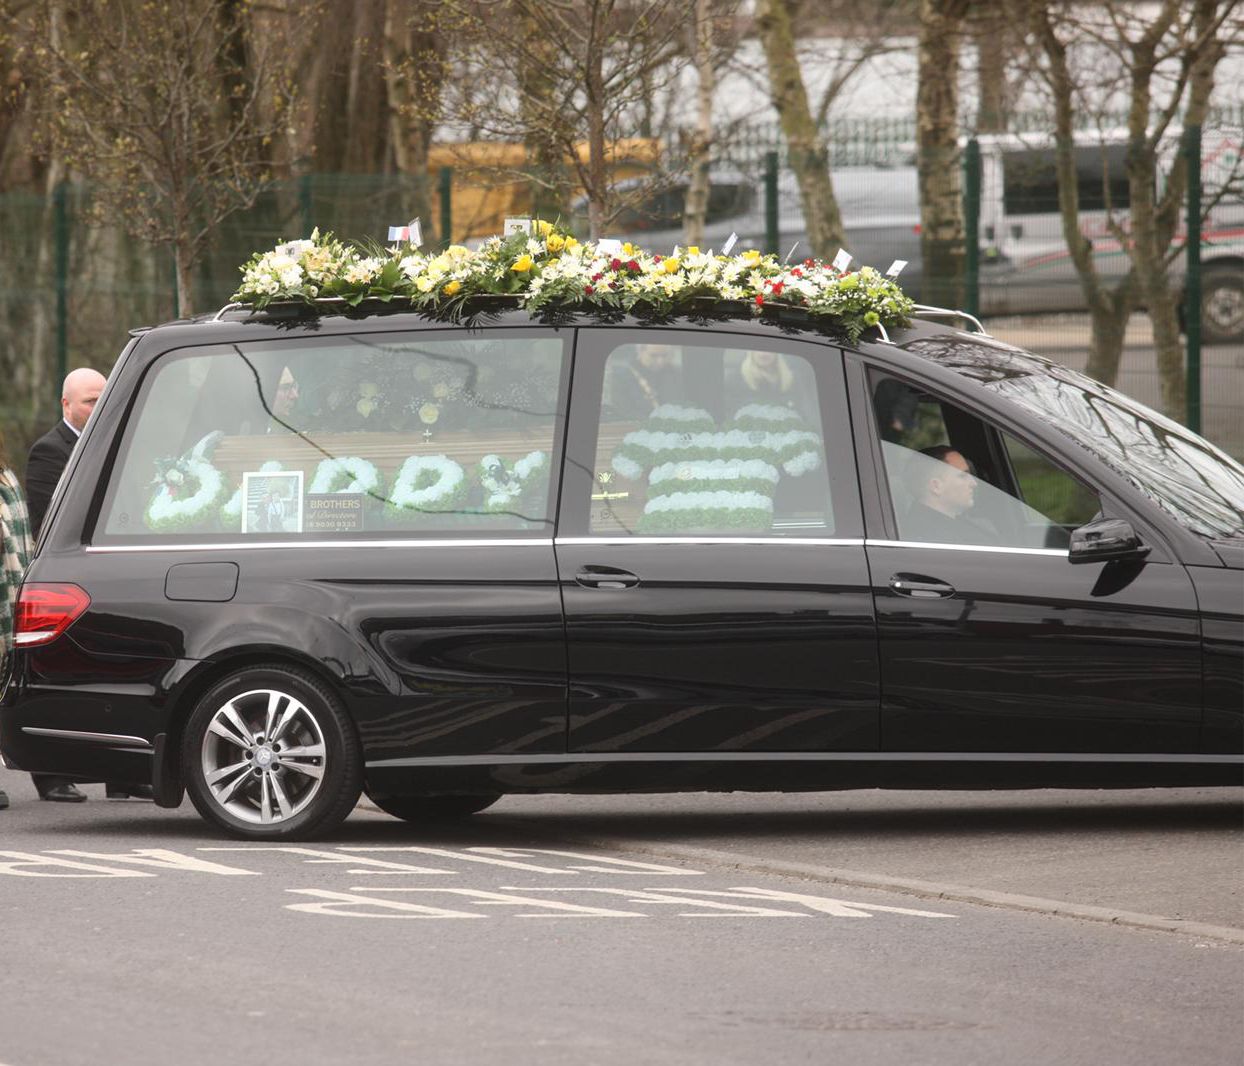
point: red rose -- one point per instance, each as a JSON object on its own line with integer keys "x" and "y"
{"x": 777, "y": 288}
{"x": 760, "y": 299}
{"x": 588, "y": 289}
{"x": 615, "y": 264}
{"x": 632, "y": 265}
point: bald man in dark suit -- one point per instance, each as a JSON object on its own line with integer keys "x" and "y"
{"x": 44, "y": 466}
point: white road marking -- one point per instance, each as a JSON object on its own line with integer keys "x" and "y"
{"x": 345, "y": 905}
{"x": 317, "y": 856}
{"x": 13, "y": 863}
{"x": 599, "y": 864}
{"x": 161, "y": 859}
{"x": 823, "y": 904}
{"x": 504, "y": 899}
{"x": 712, "y": 909}
{"x": 472, "y": 856}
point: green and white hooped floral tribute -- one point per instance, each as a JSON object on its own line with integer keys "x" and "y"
{"x": 549, "y": 271}
{"x": 709, "y": 479}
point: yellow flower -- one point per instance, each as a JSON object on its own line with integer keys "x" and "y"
{"x": 628, "y": 248}
{"x": 671, "y": 265}
{"x": 571, "y": 244}
{"x": 452, "y": 287}
{"x": 551, "y": 264}
{"x": 543, "y": 228}
{"x": 751, "y": 257}
{"x": 694, "y": 250}
{"x": 522, "y": 264}
{"x": 555, "y": 242}
{"x": 457, "y": 251}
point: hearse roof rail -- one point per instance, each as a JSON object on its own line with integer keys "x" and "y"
{"x": 928, "y": 311}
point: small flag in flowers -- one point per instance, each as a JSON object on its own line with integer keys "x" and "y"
{"x": 896, "y": 268}
{"x": 410, "y": 233}
{"x": 842, "y": 260}
{"x": 730, "y": 243}
{"x": 517, "y": 225}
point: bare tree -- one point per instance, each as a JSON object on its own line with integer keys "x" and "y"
{"x": 415, "y": 45}
{"x": 1161, "y": 59}
{"x": 699, "y": 154}
{"x": 567, "y": 78}
{"x": 806, "y": 147}
{"x": 937, "y": 150}
{"x": 158, "y": 101}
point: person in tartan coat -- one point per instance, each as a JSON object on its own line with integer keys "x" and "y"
{"x": 15, "y": 549}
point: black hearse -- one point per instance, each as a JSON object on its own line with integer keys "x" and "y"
{"x": 299, "y": 555}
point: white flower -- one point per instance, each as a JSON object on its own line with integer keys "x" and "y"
{"x": 329, "y": 475}
{"x": 164, "y": 508}
{"x": 720, "y": 500}
{"x": 449, "y": 478}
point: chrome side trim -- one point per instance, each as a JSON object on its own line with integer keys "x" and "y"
{"x": 842, "y": 542}
{"x": 1060, "y": 552}
{"x": 605, "y": 757}
{"x": 244, "y": 545}
{"x": 115, "y": 740}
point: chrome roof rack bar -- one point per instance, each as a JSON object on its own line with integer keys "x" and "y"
{"x": 927, "y": 311}
{"x": 228, "y": 307}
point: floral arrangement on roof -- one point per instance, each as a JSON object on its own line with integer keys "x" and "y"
{"x": 547, "y": 271}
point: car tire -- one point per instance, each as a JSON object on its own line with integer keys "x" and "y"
{"x": 270, "y": 754}
{"x": 432, "y": 808}
{"x": 1222, "y": 304}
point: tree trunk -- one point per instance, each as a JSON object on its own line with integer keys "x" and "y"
{"x": 994, "y": 52}
{"x": 937, "y": 152}
{"x": 1108, "y": 318}
{"x": 183, "y": 261}
{"x": 695, "y": 213}
{"x": 809, "y": 156}
{"x": 537, "y": 92}
{"x": 597, "y": 190}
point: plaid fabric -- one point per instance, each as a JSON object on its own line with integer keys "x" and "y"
{"x": 15, "y": 549}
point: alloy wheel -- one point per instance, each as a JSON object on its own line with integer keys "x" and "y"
{"x": 263, "y": 756}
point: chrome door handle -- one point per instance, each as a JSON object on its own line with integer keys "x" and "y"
{"x": 919, "y": 587}
{"x": 606, "y": 577}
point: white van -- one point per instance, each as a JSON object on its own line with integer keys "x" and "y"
{"x": 1026, "y": 266}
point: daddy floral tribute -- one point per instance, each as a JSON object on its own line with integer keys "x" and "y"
{"x": 547, "y": 271}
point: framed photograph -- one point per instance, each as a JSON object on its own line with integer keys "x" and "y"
{"x": 272, "y": 502}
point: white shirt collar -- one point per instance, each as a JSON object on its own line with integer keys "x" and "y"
{"x": 76, "y": 432}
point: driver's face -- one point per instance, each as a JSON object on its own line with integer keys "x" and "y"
{"x": 958, "y": 484}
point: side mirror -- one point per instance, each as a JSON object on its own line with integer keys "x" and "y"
{"x": 1106, "y": 540}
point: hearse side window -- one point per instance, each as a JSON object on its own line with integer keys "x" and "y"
{"x": 374, "y": 435}
{"x": 709, "y": 441}
{"x": 954, "y": 479}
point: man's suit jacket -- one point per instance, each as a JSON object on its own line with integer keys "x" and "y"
{"x": 47, "y": 459}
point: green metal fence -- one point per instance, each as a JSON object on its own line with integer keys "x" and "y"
{"x": 70, "y": 289}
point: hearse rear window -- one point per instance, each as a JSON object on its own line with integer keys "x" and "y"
{"x": 381, "y": 436}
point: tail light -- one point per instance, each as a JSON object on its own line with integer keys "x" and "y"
{"x": 45, "y": 611}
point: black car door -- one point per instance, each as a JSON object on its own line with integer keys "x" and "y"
{"x": 709, "y": 548}
{"x": 990, "y": 639}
